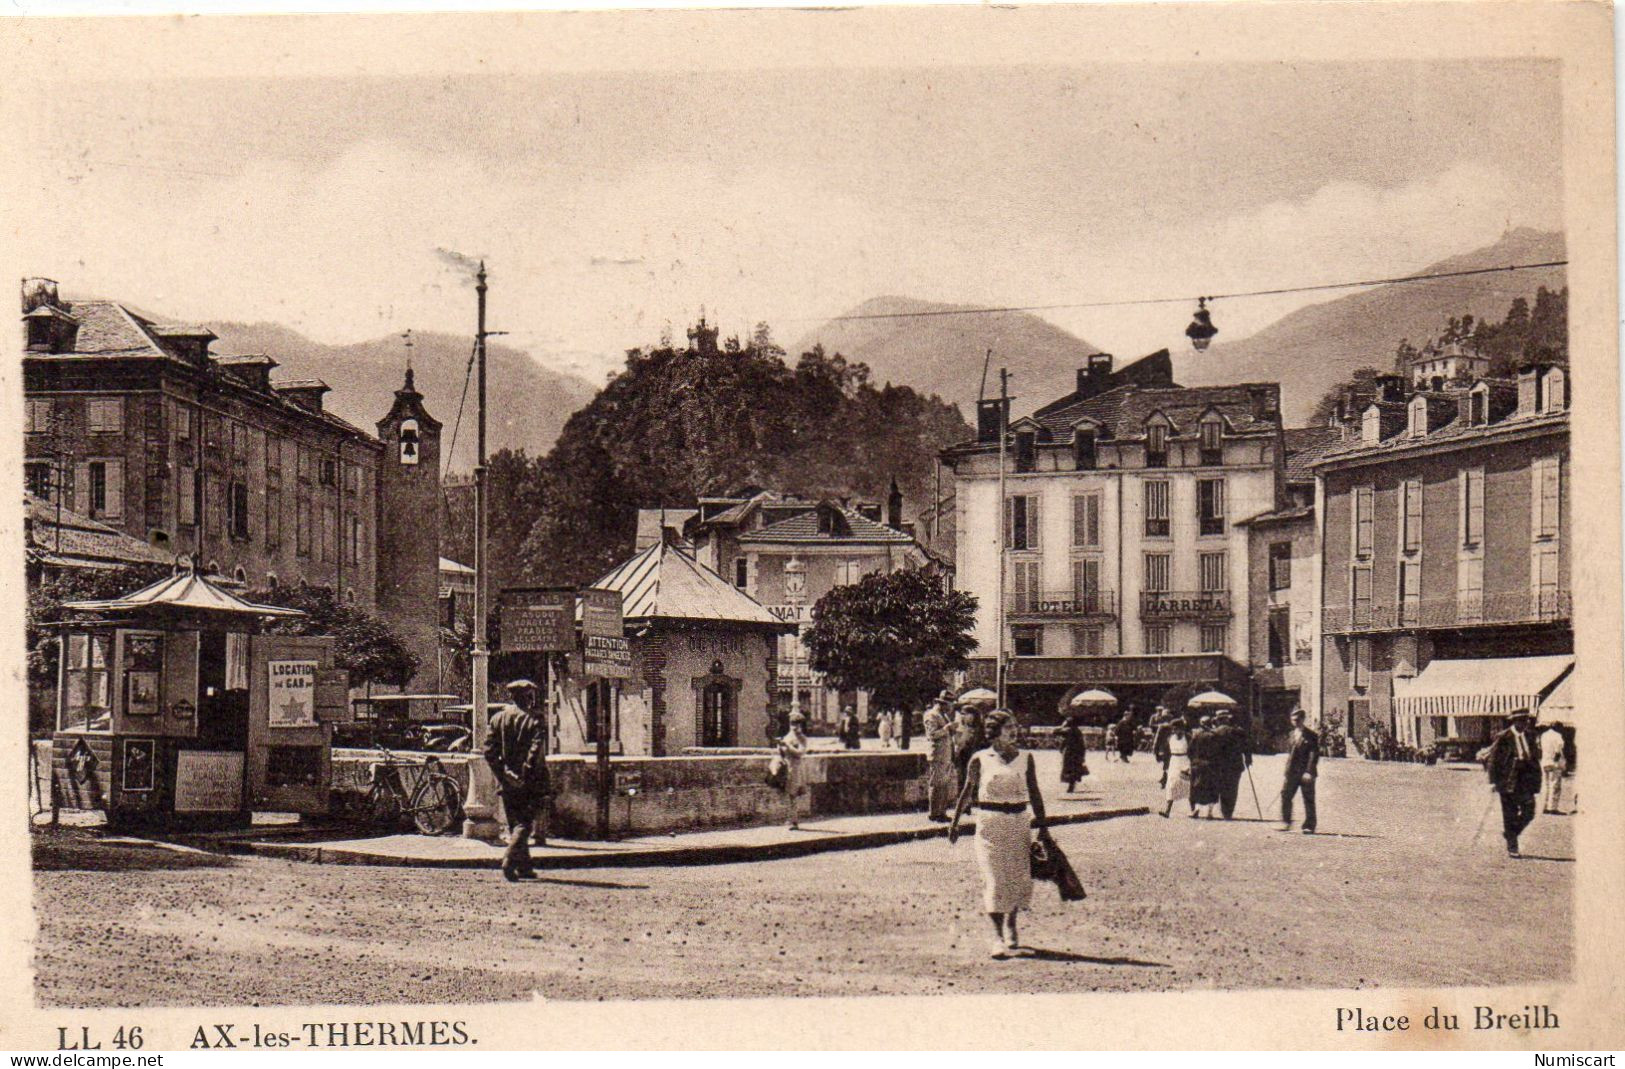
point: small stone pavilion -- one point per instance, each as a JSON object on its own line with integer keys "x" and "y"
{"x": 704, "y": 664}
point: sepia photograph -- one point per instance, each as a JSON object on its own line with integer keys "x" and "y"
{"x": 788, "y": 505}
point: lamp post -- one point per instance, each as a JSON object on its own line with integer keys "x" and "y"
{"x": 795, "y": 595}
{"x": 479, "y": 817}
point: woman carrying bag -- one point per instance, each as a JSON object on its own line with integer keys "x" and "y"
{"x": 1003, "y": 784}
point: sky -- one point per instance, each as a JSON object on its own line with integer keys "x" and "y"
{"x": 611, "y": 206}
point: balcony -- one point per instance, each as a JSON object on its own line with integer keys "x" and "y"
{"x": 1481, "y": 610}
{"x": 1062, "y": 605}
{"x": 1185, "y": 605}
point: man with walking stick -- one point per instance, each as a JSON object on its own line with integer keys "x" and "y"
{"x": 1230, "y": 761}
{"x": 1514, "y": 769}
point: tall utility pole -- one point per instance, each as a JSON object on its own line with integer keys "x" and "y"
{"x": 479, "y": 819}
{"x": 1003, "y": 523}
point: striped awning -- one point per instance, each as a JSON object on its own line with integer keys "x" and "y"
{"x": 1491, "y": 686}
{"x": 1559, "y": 704}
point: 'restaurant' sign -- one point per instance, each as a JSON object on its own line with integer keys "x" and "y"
{"x": 536, "y": 620}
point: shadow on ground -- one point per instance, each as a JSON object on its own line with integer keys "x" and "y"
{"x": 67, "y": 850}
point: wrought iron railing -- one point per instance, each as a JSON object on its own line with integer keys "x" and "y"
{"x": 1464, "y": 610}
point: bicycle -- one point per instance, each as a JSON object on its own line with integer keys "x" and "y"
{"x": 434, "y": 801}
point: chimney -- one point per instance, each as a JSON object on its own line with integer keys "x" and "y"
{"x": 987, "y": 418}
{"x": 1095, "y": 375}
{"x": 1263, "y": 399}
{"x": 894, "y": 506}
{"x": 1390, "y": 387}
{"x": 306, "y": 393}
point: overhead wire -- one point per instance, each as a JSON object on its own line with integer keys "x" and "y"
{"x": 1197, "y": 297}
{"x": 457, "y": 425}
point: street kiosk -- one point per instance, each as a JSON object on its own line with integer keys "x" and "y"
{"x": 174, "y": 711}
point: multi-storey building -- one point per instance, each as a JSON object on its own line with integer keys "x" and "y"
{"x": 1445, "y": 583}
{"x": 787, "y": 553}
{"x": 1123, "y": 561}
{"x": 136, "y": 424}
{"x": 1283, "y": 593}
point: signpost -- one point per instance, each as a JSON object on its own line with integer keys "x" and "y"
{"x": 606, "y": 654}
{"x": 538, "y": 619}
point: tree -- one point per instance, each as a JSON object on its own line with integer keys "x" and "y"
{"x": 367, "y": 646}
{"x": 897, "y": 636}
{"x": 50, "y": 589}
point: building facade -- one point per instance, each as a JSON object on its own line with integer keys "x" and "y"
{"x": 137, "y": 425}
{"x": 704, "y": 665}
{"x": 786, "y": 553}
{"x": 1124, "y": 562}
{"x": 1445, "y": 586}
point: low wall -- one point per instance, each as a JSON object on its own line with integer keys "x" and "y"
{"x": 701, "y": 789}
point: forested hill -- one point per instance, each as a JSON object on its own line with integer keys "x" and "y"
{"x": 677, "y": 424}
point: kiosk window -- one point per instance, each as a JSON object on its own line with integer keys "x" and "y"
{"x": 86, "y": 704}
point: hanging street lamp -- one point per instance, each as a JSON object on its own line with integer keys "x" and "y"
{"x": 1201, "y": 330}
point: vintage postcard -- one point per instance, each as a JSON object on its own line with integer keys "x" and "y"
{"x": 550, "y": 529}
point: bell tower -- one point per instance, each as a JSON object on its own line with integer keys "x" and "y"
{"x": 409, "y": 526}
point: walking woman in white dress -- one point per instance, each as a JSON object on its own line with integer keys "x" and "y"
{"x": 1003, "y": 785}
{"x": 1178, "y": 741}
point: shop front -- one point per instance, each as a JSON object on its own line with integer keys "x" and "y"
{"x": 174, "y": 711}
{"x": 1040, "y": 689}
{"x": 1460, "y": 704}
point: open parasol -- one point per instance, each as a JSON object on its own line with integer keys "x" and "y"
{"x": 977, "y": 696}
{"x": 1093, "y": 697}
{"x": 1212, "y": 699}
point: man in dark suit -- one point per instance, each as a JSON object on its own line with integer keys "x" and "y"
{"x": 1230, "y": 761}
{"x": 1514, "y": 768}
{"x": 1302, "y": 766}
{"x": 516, "y": 750}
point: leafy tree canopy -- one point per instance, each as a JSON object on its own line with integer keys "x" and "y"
{"x": 898, "y": 636}
{"x": 367, "y": 646}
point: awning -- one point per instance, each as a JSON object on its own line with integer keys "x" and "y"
{"x": 1491, "y": 686}
{"x": 1559, "y": 704}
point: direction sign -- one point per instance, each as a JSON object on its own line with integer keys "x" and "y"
{"x": 601, "y": 613}
{"x": 538, "y": 619}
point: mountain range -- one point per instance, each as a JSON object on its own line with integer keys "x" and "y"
{"x": 1308, "y": 351}
{"x": 529, "y": 402}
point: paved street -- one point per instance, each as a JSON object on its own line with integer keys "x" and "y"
{"x": 1395, "y": 891}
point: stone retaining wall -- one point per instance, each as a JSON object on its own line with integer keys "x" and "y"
{"x": 705, "y": 789}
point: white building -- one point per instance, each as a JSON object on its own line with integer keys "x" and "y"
{"x": 1124, "y": 565}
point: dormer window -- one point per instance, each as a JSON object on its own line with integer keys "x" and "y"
{"x": 1083, "y": 448}
{"x": 1554, "y": 390}
{"x": 1212, "y": 449}
{"x": 1026, "y": 451}
{"x": 1371, "y": 425}
{"x": 1418, "y": 423}
{"x": 1156, "y": 445}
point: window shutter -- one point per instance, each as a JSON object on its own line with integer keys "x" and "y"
{"x": 81, "y": 487}
{"x": 1413, "y": 515}
{"x": 115, "y": 489}
{"x": 1034, "y": 527}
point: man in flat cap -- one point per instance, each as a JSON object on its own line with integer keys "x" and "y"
{"x": 1514, "y": 768}
{"x": 516, "y": 750}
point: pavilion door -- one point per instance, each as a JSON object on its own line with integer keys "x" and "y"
{"x": 718, "y": 720}
{"x": 222, "y": 714}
